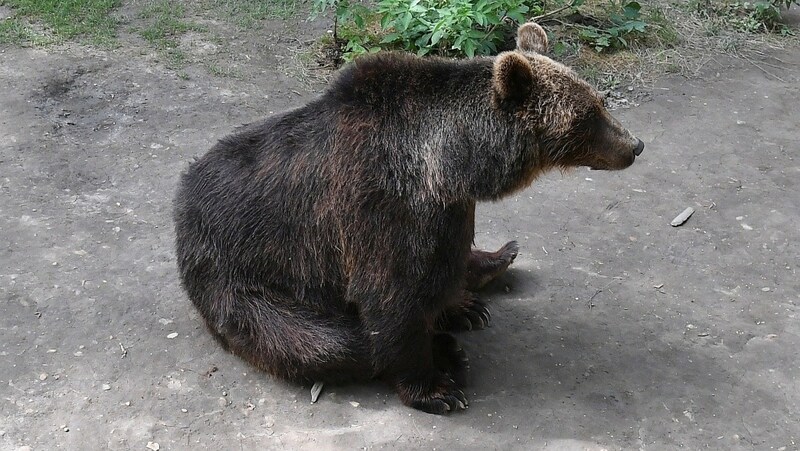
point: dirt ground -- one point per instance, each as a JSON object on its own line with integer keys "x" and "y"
{"x": 613, "y": 330}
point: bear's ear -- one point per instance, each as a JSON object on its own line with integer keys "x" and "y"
{"x": 512, "y": 77}
{"x": 531, "y": 38}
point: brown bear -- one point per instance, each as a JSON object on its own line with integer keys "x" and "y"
{"x": 333, "y": 242}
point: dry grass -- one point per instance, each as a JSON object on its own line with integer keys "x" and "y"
{"x": 679, "y": 41}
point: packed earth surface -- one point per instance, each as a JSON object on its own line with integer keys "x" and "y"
{"x": 612, "y": 330}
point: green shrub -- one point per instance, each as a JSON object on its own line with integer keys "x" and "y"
{"x": 459, "y": 27}
{"x": 624, "y": 22}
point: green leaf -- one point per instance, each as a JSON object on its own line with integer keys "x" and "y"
{"x": 422, "y": 41}
{"x": 391, "y": 38}
{"x": 631, "y": 10}
{"x": 516, "y": 16}
{"x": 469, "y": 48}
{"x": 385, "y": 21}
{"x": 589, "y": 34}
{"x": 405, "y": 21}
{"x": 437, "y": 36}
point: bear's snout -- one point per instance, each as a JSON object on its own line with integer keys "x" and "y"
{"x": 639, "y": 148}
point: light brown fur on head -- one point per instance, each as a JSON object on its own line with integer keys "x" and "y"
{"x": 565, "y": 113}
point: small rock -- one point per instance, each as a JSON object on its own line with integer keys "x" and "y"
{"x": 702, "y": 334}
{"x": 683, "y": 217}
{"x": 354, "y": 404}
{"x": 766, "y": 289}
{"x": 106, "y": 387}
{"x": 184, "y": 410}
{"x": 43, "y": 376}
{"x": 222, "y": 402}
{"x": 172, "y": 335}
{"x": 153, "y": 446}
{"x": 746, "y": 227}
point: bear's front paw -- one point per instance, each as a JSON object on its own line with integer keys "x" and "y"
{"x": 436, "y": 394}
{"x": 469, "y": 314}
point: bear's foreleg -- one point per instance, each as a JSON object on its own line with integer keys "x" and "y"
{"x": 421, "y": 365}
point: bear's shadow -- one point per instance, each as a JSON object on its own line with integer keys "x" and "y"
{"x": 533, "y": 357}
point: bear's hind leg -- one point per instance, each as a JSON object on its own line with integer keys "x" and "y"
{"x": 290, "y": 341}
{"x": 483, "y": 267}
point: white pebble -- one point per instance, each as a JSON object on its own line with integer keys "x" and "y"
{"x": 172, "y": 335}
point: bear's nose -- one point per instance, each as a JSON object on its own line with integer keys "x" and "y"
{"x": 639, "y": 148}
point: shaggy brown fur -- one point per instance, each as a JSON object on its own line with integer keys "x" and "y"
{"x": 333, "y": 242}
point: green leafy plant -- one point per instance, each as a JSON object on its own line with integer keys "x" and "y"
{"x": 624, "y": 22}
{"x": 459, "y": 27}
{"x": 760, "y": 16}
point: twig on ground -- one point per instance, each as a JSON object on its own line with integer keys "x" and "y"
{"x": 554, "y": 12}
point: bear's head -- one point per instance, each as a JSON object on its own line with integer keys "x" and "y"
{"x": 564, "y": 113}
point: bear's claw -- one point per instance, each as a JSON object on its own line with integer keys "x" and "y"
{"x": 447, "y": 399}
{"x": 471, "y": 314}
